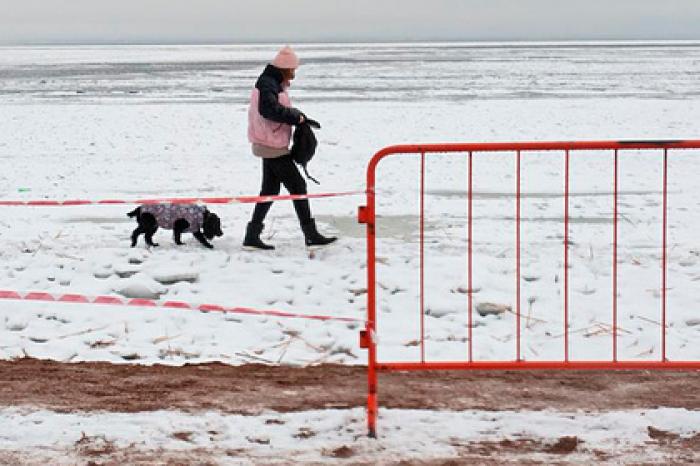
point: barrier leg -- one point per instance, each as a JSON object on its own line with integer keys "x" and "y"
{"x": 372, "y": 382}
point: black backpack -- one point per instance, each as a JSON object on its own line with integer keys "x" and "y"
{"x": 304, "y": 145}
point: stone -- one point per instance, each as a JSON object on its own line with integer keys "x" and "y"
{"x": 485, "y": 309}
{"x": 692, "y": 322}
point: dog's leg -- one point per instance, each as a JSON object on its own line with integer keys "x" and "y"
{"x": 179, "y": 226}
{"x": 149, "y": 224}
{"x": 135, "y": 235}
{"x": 202, "y": 239}
{"x": 149, "y": 237}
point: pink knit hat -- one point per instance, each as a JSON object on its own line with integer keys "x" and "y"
{"x": 286, "y": 58}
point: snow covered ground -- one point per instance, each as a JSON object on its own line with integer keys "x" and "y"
{"x": 129, "y": 122}
{"x": 70, "y": 129}
{"x": 338, "y": 436}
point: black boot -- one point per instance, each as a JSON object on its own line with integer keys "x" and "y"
{"x": 252, "y": 237}
{"x": 312, "y": 236}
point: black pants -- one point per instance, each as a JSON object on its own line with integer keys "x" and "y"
{"x": 275, "y": 172}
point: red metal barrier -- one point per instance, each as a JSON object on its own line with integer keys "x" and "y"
{"x": 367, "y": 215}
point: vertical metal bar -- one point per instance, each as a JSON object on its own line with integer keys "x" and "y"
{"x": 663, "y": 259}
{"x": 422, "y": 257}
{"x": 566, "y": 256}
{"x": 470, "y": 283}
{"x": 517, "y": 256}
{"x": 614, "y": 274}
{"x": 370, "y": 326}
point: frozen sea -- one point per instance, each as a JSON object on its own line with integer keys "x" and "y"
{"x": 450, "y": 73}
{"x": 152, "y": 121}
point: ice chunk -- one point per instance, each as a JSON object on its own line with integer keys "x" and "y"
{"x": 169, "y": 276}
{"x": 140, "y": 286}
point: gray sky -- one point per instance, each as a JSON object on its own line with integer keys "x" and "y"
{"x": 293, "y": 21}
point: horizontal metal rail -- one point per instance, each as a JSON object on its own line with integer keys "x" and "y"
{"x": 536, "y": 365}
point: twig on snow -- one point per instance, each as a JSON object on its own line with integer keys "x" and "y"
{"x": 83, "y": 332}
{"x": 245, "y": 354}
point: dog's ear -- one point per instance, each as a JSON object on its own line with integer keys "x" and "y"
{"x": 212, "y": 226}
{"x": 218, "y": 225}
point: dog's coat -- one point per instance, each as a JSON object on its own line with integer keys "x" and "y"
{"x": 167, "y": 214}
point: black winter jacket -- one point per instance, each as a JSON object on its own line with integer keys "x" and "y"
{"x": 270, "y": 85}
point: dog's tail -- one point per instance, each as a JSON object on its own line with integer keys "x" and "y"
{"x": 134, "y": 212}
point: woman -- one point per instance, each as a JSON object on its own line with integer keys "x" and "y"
{"x": 270, "y": 120}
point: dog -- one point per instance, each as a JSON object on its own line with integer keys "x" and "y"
{"x": 180, "y": 218}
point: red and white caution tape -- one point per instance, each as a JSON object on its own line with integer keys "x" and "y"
{"x": 141, "y": 302}
{"x": 176, "y": 200}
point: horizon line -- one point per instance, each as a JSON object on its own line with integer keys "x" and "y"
{"x": 349, "y": 42}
